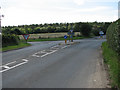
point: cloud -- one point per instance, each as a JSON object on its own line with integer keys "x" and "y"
{"x": 95, "y": 9}
{"x": 18, "y": 12}
{"x": 79, "y": 2}
{"x": 102, "y": 0}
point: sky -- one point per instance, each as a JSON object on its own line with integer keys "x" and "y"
{"x": 26, "y": 12}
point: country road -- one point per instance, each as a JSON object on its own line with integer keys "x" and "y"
{"x": 50, "y": 65}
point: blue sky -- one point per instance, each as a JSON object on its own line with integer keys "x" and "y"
{"x": 19, "y": 12}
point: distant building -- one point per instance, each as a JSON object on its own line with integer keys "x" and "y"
{"x": 119, "y": 9}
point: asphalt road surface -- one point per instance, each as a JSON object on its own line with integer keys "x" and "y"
{"x": 50, "y": 65}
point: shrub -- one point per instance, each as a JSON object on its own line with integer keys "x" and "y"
{"x": 86, "y": 29}
{"x": 95, "y": 32}
{"x": 113, "y": 36}
{"x": 9, "y": 40}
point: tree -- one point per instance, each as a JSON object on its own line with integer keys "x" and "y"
{"x": 76, "y": 27}
{"x": 86, "y": 29}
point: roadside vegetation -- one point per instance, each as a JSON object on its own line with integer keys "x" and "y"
{"x": 12, "y": 35}
{"x": 54, "y": 28}
{"x": 55, "y": 39}
{"x": 11, "y": 42}
{"x": 111, "y": 53}
{"x": 13, "y": 47}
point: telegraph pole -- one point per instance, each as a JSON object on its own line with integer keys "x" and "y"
{"x": 0, "y": 20}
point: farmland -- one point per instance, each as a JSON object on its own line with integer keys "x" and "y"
{"x": 48, "y": 35}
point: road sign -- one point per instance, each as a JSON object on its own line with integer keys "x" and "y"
{"x": 101, "y": 32}
{"x": 65, "y": 37}
{"x": 26, "y": 36}
{"x": 71, "y": 31}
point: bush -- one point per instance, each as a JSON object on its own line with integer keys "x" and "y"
{"x": 95, "y": 32}
{"x": 86, "y": 29}
{"x": 8, "y": 40}
{"x": 113, "y": 36}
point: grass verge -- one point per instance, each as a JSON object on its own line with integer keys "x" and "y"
{"x": 21, "y": 45}
{"x": 111, "y": 58}
{"x": 55, "y": 39}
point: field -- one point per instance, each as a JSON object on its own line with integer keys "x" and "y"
{"x": 48, "y": 35}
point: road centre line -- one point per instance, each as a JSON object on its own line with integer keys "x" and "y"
{"x": 25, "y": 61}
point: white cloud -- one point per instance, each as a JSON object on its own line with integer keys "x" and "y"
{"x": 79, "y": 2}
{"x": 18, "y": 12}
{"x": 95, "y": 9}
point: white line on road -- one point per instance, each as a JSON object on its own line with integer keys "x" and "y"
{"x": 6, "y": 67}
{"x": 54, "y": 46}
{"x": 35, "y": 55}
{"x": 10, "y": 63}
{"x": 48, "y": 53}
{"x": 25, "y": 61}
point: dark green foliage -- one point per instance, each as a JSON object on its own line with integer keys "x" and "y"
{"x": 8, "y": 40}
{"x": 113, "y": 36}
{"x": 50, "y": 28}
{"x": 95, "y": 32}
{"x": 86, "y": 29}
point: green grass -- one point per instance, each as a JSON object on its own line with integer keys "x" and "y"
{"x": 111, "y": 58}
{"x": 21, "y": 45}
{"x": 55, "y": 39}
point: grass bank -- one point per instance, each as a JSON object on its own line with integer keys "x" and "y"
{"x": 111, "y": 58}
{"x": 55, "y": 39}
{"x": 21, "y": 45}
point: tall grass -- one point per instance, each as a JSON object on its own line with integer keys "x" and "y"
{"x": 111, "y": 58}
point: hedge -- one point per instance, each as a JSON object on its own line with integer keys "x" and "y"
{"x": 8, "y": 40}
{"x": 113, "y": 36}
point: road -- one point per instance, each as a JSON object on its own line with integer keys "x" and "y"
{"x": 50, "y": 65}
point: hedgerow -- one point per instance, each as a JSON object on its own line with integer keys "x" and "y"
{"x": 113, "y": 36}
{"x": 8, "y": 40}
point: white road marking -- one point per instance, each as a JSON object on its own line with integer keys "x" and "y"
{"x": 10, "y": 63}
{"x": 6, "y": 67}
{"x": 48, "y": 53}
{"x": 35, "y": 55}
{"x": 44, "y": 55}
{"x": 54, "y": 46}
{"x": 25, "y": 61}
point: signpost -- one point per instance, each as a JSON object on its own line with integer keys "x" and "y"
{"x": 26, "y": 36}
{"x": 65, "y": 37}
{"x": 71, "y": 33}
{"x": 101, "y": 34}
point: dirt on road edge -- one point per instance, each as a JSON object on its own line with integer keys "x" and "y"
{"x": 100, "y": 78}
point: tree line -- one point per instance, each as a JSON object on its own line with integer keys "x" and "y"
{"x": 93, "y": 27}
{"x": 9, "y": 33}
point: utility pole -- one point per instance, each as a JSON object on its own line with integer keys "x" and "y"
{"x": 119, "y": 10}
{"x": 0, "y": 20}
